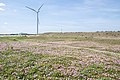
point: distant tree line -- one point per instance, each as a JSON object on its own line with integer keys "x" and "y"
{"x": 108, "y": 31}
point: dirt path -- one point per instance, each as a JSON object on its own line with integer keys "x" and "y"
{"x": 95, "y": 50}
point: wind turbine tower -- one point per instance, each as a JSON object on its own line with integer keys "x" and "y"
{"x": 37, "y": 12}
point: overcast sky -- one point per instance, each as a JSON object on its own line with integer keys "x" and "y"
{"x": 70, "y": 15}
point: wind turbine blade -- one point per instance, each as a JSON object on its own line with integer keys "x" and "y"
{"x": 40, "y": 7}
{"x": 30, "y": 8}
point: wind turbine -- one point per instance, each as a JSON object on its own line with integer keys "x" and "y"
{"x": 37, "y": 12}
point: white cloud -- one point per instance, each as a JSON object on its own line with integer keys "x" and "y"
{"x": 5, "y": 23}
{"x": 2, "y": 4}
{"x": 1, "y": 9}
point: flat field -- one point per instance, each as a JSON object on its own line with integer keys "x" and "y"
{"x": 61, "y": 56}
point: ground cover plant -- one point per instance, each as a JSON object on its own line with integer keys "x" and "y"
{"x": 61, "y": 56}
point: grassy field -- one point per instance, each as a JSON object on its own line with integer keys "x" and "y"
{"x": 61, "y": 56}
